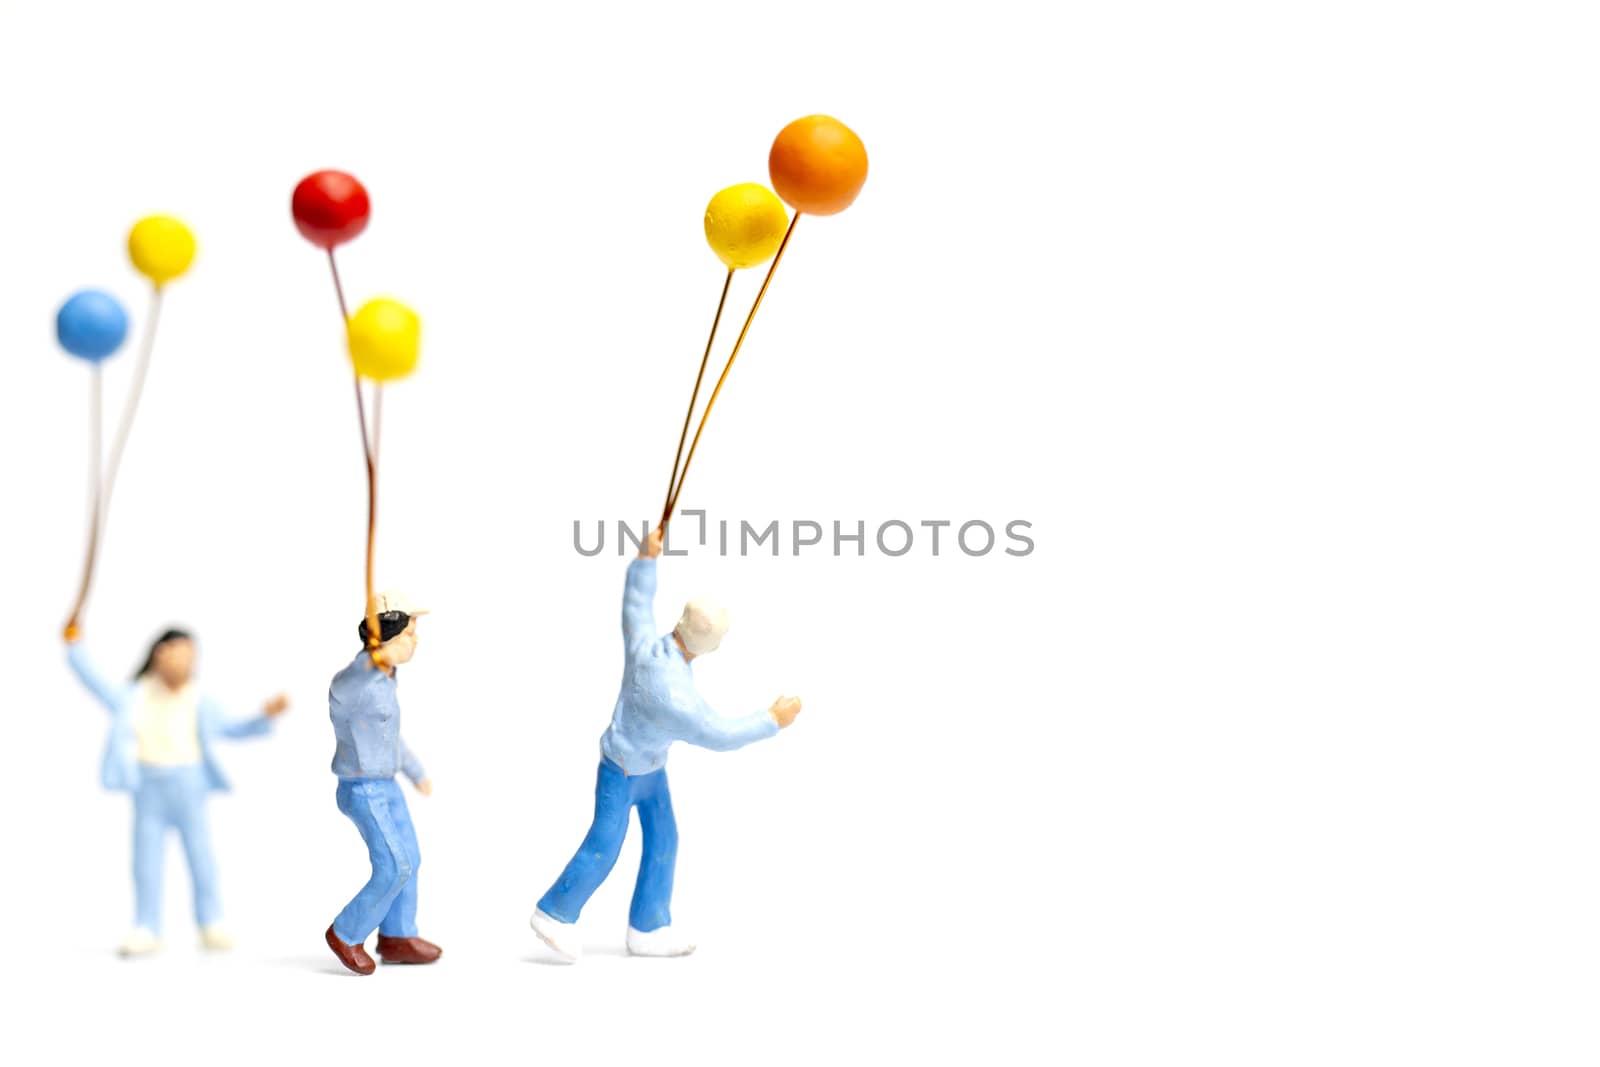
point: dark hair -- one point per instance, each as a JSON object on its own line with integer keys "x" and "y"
{"x": 391, "y": 624}
{"x": 167, "y": 637}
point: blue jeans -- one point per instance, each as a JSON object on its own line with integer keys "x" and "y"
{"x": 614, "y": 794}
{"x": 388, "y": 902}
{"x": 172, "y": 798}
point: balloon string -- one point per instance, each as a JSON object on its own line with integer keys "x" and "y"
{"x": 344, "y": 313}
{"x": 666, "y": 507}
{"x": 369, "y": 456}
{"x": 338, "y": 288}
{"x": 377, "y": 422}
{"x": 673, "y": 503}
{"x": 374, "y": 635}
{"x": 70, "y": 632}
{"x": 141, "y": 368}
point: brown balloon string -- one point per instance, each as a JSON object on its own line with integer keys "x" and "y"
{"x": 369, "y": 454}
{"x": 672, "y": 483}
{"x": 95, "y": 389}
{"x": 102, "y": 486}
{"x": 140, "y": 370}
{"x": 673, "y": 503}
{"x": 374, "y": 633}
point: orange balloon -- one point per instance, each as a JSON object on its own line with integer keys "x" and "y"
{"x": 818, "y": 165}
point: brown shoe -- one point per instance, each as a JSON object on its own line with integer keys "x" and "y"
{"x": 352, "y": 956}
{"x": 407, "y": 950}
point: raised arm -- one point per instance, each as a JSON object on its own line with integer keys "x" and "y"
{"x": 92, "y": 680}
{"x": 638, "y": 604}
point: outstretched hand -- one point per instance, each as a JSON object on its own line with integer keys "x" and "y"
{"x": 784, "y": 710}
{"x": 275, "y": 706}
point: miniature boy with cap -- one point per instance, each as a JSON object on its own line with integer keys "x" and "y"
{"x": 365, "y": 710}
{"x": 657, "y": 706}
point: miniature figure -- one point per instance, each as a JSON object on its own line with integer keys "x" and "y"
{"x": 160, "y": 750}
{"x": 657, "y": 706}
{"x": 365, "y": 710}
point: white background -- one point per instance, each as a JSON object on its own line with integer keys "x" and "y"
{"x": 1276, "y": 321}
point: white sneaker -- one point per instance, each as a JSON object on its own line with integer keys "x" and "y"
{"x": 214, "y": 938}
{"x": 139, "y": 942}
{"x": 662, "y": 941}
{"x": 561, "y": 937}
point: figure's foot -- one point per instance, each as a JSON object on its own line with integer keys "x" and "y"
{"x": 662, "y": 941}
{"x": 352, "y": 956}
{"x": 214, "y": 938}
{"x": 139, "y": 942}
{"x": 407, "y": 950}
{"x": 561, "y": 937}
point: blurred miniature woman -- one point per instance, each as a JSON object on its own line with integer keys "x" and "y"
{"x": 161, "y": 750}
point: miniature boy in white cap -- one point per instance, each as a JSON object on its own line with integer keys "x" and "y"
{"x": 657, "y": 706}
{"x": 365, "y": 709}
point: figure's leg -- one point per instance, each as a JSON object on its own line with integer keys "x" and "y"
{"x": 652, "y": 893}
{"x": 401, "y": 918}
{"x": 195, "y": 829}
{"x": 369, "y": 803}
{"x": 149, "y": 841}
{"x": 598, "y": 853}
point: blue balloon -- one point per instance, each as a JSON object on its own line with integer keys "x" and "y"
{"x": 92, "y": 324}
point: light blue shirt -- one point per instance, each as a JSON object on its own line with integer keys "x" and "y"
{"x": 120, "y": 767}
{"x": 658, "y": 703}
{"x": 365, "y": 709}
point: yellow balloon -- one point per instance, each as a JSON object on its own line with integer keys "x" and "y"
{"x": 745, "y": 224}
{"x": 161, "y": 247}
{"x": 384, "y": 338}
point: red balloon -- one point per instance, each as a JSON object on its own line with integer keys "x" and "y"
{"x": 330, "y": 208}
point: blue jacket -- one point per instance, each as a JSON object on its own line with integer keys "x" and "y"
{"x": 120, "y": 768}
{"x": 658, "y": 703}
{"x": 364, "y": 704}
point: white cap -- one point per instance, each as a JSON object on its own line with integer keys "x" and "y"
{"x": 702, "y": 626}
{"x": 394, "y": 600}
